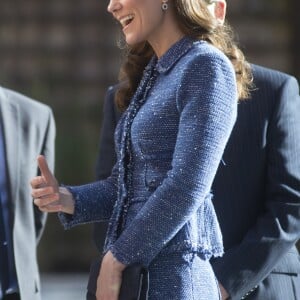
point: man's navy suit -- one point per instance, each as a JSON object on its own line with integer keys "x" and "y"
{"x": 256, "y": 190}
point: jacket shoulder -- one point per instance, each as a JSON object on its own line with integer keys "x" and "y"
{"x": 202, "y": 51}
{"x": 24, "y": 102}
{"x": 271, "y": 77}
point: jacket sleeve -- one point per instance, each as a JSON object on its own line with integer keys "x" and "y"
{"x": 207, "y": 103}
{"x": 93, "y": 202}
{"x": 48, "y": 150}
{"x": 278, "y": 229}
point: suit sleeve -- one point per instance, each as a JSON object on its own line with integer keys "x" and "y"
{"x": 48, "y": 150}
{"x": 207, "y": 115}
{"x": 107, "y": 156}
{"x": 278, "y": 229}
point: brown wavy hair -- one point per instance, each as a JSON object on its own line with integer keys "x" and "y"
{"x": 195, "y": 21}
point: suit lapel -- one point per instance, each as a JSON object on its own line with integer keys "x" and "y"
{"x": 10, "y": 117}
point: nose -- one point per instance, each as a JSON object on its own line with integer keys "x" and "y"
{"x": 113, "y": 6}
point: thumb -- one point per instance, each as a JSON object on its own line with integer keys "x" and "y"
{"x": 45, "y": 171}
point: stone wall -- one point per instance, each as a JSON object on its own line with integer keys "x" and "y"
{"x": 266, "y": 32}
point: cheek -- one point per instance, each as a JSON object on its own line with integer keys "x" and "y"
{"x": 150, "y": 11}
{"x": 152, "y": 19}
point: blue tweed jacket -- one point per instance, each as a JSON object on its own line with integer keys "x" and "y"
{"x": 169, "y": 143}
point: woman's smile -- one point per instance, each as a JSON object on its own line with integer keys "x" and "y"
{"x": 139, "y": 19}
{"x": 126, "y": 20}
{"x": 145, "y": 20}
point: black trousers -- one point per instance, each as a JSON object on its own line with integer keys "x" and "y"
{"x": 92, "y": 283}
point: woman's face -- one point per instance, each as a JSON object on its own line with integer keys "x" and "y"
{"x": 141, "y": 20}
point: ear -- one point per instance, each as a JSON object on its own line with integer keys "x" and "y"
{"x": 220, "y": 11}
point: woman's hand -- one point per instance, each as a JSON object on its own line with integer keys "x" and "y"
{"x": 110, "y": 278}
{"x": 47, "y": 194}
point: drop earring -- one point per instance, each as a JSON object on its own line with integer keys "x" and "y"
{"x": 164, "y": 5}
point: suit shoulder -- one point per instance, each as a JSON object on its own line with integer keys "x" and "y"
{"x": 270, "y": 77}
{"x": 271, "y": 87}
{"x": 25, "y": 103}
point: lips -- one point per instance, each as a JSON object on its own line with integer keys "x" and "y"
{"x": 126, "y": 20}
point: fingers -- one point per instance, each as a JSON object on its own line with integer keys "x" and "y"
{"x": 45, "y": 171}
{"x": 46, "y": 200}
{"x": 51, "y": 208}
{"x": 49, "y": 203}
{"x": 44, "y": 193}
{"x": 37, "y": 182}
{"x": 45, "y": 189}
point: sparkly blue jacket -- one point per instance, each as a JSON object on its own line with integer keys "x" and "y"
{"x": 169, "y": 143}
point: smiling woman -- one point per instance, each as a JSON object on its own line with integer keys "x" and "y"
{"x": 179, "y": 89}
{"x": 191, "y": 18}
{"x": 143, "y": 21}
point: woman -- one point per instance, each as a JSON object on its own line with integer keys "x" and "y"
{"x": 180, "y": 84}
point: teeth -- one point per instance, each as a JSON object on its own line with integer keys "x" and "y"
{"x": 126, "y": 20}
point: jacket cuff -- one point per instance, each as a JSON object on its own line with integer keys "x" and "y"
{"x": 68, "y": 221}
{"x": 126, "y": 258}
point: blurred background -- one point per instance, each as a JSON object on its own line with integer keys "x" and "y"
{"x": 64, "y": 53}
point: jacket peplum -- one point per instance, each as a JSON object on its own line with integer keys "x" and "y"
{"x": 169, "y": 143}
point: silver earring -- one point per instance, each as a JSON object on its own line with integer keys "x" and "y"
{"x": 164, "y": 5}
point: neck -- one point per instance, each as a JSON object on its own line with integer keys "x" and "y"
{"x": 168, "y": 34}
